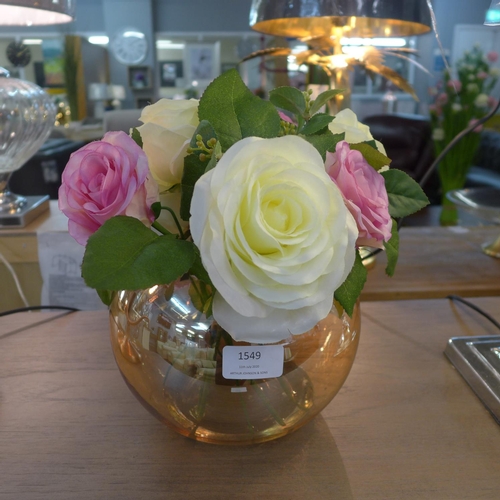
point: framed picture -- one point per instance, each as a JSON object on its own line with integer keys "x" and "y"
{"x": 53, "y": 62}
{"x": 170, "y": 71}
{"x": 139, "y": 77}
{"x": 202, "y": 63}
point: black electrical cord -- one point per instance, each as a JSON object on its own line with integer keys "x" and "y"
{"x": 37, "y": 308}
{"x": 457, "y": 298}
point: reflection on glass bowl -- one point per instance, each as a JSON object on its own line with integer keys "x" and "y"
{"x": 484, "y": 203}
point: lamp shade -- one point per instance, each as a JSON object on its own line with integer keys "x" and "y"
{"x": 356, "y": 18}
{"x": 493, "y": 14}
{"x": 36, "y": 12}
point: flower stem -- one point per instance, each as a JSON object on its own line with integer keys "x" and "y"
{"x": 262, "y": 396}
{"x": 176, "y": 220}
{"x": 160, "y": 228}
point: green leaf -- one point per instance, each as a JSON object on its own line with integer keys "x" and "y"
{"x": 123, "y": 254}
{"x": 198, "y": 270}
{"x": 371, "y": 154}
{"x": 202, "y": 296}
{"x": 323, "y": 98}
{"x": 405, "y": 195}
{"x": 136, "y": 135}
{"x": 316, "y": 124}
{"x": 235, "y": 112}
{"x": 156, "y": 208}
{"x": 288, "y": 98}
{"x": 193, "y": 170}
{"x": 300, "y": 122}
{"x": 347, "y": 294}
{"x": 106, "y": 296}
{"x": 324, "y": 142}
{"x": 392, "y": 250}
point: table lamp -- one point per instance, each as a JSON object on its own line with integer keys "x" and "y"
{"x": 117, "y": 95}
{"x": 493, "y": 14}
{"x": 27, "y": 113}
{"x": 323, "y": 23}
{"x": 36, "y": 12}
{"x": 98, "y": 93}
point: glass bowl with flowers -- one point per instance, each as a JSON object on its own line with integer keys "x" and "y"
{"x": 224, "y": 235}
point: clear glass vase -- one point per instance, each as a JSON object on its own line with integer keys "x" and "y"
{"x": 170, "y": 355}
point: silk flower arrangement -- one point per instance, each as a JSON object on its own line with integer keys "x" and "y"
{"x": 277, "y": 206}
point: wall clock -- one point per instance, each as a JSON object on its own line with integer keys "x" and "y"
{"x": 18, "y": 54}
{"x": 129, "y": 46}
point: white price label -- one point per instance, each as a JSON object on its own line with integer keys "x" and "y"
{"x": 252, "y": 362}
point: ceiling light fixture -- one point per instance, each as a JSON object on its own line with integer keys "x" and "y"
{"x": 493, "y": 14}
{"x": 359, "y": 18}
{"x": 328, "y": 25}
{"x": 98, "y": 40}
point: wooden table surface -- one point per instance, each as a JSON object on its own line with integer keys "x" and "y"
{"x": 435, "y": 262}
{"x": 404, "y": 426}
{"x": 19, "y": 246}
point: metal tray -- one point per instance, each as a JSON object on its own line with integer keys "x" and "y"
{"x": 478, "y": 361}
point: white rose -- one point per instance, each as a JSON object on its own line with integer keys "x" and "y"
{"x": 275, "y": 237}
{"x": 168, "y": 128}
{"x": 355, "y": 131}
{"x": 495, "y": 72}
{"x": 456, "y": 107}
{"x": 472, "y": 88}
{"x": 438, "y": 134}
{"x": 481, "y": 101}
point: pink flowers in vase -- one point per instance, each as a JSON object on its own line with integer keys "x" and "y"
{"x": 103, "y": 179}
{"x": 364, "y": 193}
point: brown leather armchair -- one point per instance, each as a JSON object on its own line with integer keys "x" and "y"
{"x": 408, "y": 142}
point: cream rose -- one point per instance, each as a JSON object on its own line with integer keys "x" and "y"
{"x": 346, "y": 121}
{"x": 275, "y": 237}
{"x": 168, "y": 128}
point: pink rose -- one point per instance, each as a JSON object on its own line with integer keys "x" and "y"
{"x": 455, "y": 84}
{"x": 479, "y": 128}
{"x": 103, "y": 179}
{"x": 442, "y": 98}
{"x": 492, "y": 56}
{"x": 492, "y": 102}
{"x": 482, "y": 75}
{"x": 286, "y": 118}
{"x": 437, "y": 110}
{"x": 364, "y": 193}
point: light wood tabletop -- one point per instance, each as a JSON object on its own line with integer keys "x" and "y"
{"x": 404, "y": 426}
{"x": 435, "y": 262}
{"x": 19, "y": 246}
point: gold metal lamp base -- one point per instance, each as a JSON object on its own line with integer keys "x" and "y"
{"x": 492, "y": 249}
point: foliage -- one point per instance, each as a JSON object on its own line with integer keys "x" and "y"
{"x": 462, "y": 97}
